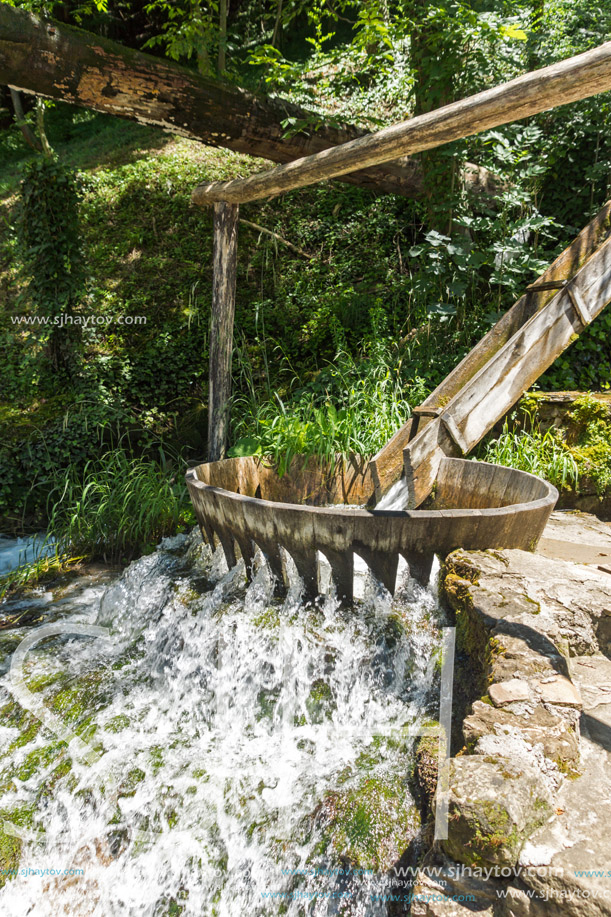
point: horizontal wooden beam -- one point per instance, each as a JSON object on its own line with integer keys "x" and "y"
{"x": 46, "y": 57}
{"x": 572, "y": 79}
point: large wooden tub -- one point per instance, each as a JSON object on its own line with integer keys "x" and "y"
{"x": 244, "y": 502}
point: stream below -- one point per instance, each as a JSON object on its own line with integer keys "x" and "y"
{"x": 209, "y": 749}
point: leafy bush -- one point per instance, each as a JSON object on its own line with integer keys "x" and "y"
{"x": 591, "y": 441}
{"x": 57, "y": 433}
{"x": 51, "y": 252}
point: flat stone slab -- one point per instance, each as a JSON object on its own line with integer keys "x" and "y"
{"x": 577, "y": 537}
{"x": 559, "y": 690}
{"x": 509, "y": 692}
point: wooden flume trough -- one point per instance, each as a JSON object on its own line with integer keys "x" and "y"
{"x": 244, "y": 504}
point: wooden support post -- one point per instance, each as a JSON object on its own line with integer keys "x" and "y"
{"x": 224, "y": 261}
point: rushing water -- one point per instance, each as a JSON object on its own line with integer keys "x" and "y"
{"x": 396, "y": 498}
{"x": 234, "y": 748}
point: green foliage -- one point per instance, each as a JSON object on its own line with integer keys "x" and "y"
{"x": 587, "y": 363}
{"x": 591, "y": 441}
{"x": 45, "y": 567}
{"x": 189, "y": 29}
{"x": 351, "y": 408}
{"x": 51, "y": 252}
{"x": 541, "y": 453}
{"x": 117, "y": 507}
{"x": 56, "y": 434}
{"x": 382, "y": 269}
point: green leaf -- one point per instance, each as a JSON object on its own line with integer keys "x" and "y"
{"x": 248, "y": 445}
{"x": 513, "y": 31}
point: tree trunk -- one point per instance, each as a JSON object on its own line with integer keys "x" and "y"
{"x": 224, "y": 263}
{"x": 28, "y": 134}
{"x": 222, "y": 58}
{"x": 40, "y": 125}
{"x": 276, "y": 37}
{"x": 84, "y": 69}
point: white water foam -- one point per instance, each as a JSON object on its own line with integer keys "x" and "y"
{"x": 223, "y": 719}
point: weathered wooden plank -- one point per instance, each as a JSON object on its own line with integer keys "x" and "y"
{"x": 489, "y": 394}
{"x": 378, "y": 536}
{"x": 387, "y": 466}
{"x": 224, "y": 259}
{"x": 572, "y": 79}
{"x": 54, "y": 60}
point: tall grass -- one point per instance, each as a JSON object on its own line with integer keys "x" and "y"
{"x": 356, "y": 408}
{"x": 543, "y": 454}
{"x": 117, "y": 507}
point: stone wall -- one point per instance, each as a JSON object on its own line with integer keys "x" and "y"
{"x": 539, "y": 634}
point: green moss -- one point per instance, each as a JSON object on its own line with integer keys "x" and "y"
{"x": 567, "y": 768}
{"x": 320, "y": 702}
{"x": 427, "y": 768}
{"x": 590, "y": 442}
{"x": 78, "y": 698}
{"x": 156, "y": 756}
{"x": 59, "y": 773}
{"x": 269, "y": 618}
{"x": 372, "y": 824}
{"x": 10, "y": 856}
{"x": 117, "y": 723}
{"x": 39, "y": 759}
{"x": 267, "y": 698}
{"x": 10, "y": 847}
{"x": 27, "y": 735}
{"x": 171, "y": 907}
{"x": 128, "y": 786}
{"x": 482, "y": 833}
{"x": 40, "y": 682}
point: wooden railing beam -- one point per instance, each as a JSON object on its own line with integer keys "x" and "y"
{"x": 568, "y": 81}
{"x": 387, "y": 465}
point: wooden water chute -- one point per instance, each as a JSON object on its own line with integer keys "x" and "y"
{"x": 494, "y": 509}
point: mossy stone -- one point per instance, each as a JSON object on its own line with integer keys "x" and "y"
{"x": 371, "y": 824}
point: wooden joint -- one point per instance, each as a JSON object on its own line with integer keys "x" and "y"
{"x": 424, "y": 411}
{"x": 454, "y": 433}
{"x": 579, "y": 304}
{"x": 544, "y": 285}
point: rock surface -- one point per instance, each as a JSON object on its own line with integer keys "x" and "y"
{"x": 496, "y": 802}
{"x": 509, "y": 692}
{"x": 577, "y": 537}
{"x": 530, "y": 793}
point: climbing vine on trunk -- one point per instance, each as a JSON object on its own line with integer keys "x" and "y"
{"x": 52, "y": 257}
